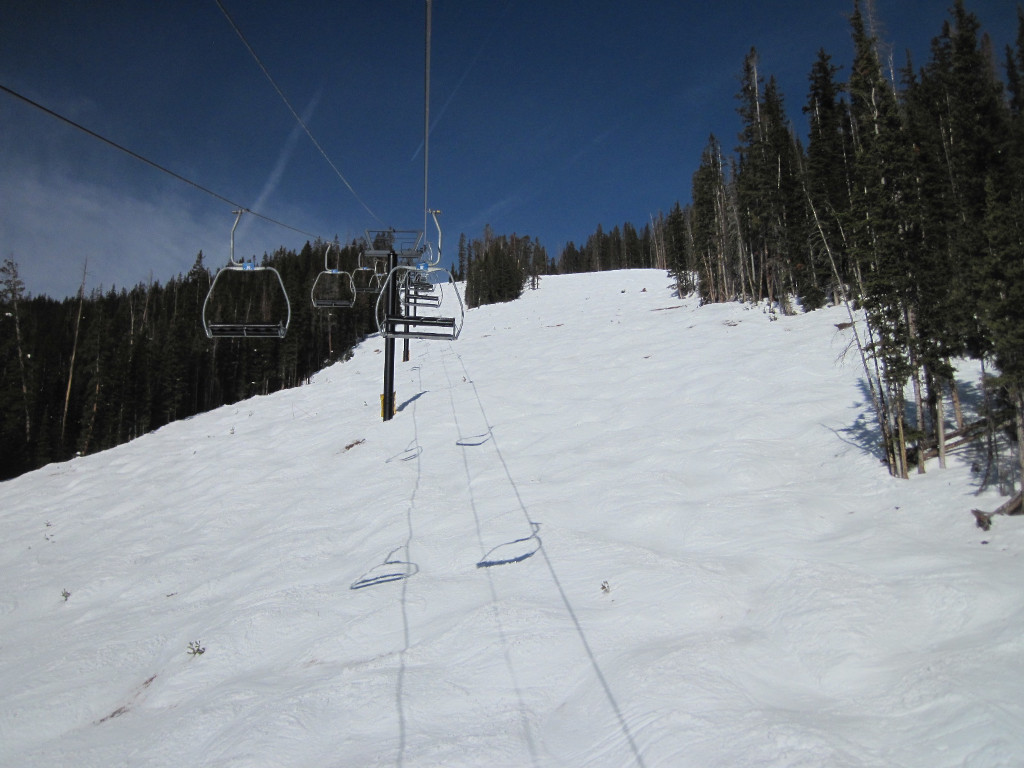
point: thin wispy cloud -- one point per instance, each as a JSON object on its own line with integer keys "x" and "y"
{"x": 65, "y": 223}
{"x": 469, "y": 68}
{"x": 274, "y": 178}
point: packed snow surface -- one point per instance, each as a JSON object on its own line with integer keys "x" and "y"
{"x": 607, "y": 527}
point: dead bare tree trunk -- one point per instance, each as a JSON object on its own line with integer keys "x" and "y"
{"x": 92, "y": 412}
{"x": 958, "y": 411}
{"x": 74, "y": 349}
{"x": 876, "y": 397}
{"x": 900, "y": 449}
{"x": 992, "y": 445}
{"x": 21, "y": 366}
{"x": 658, "y": 236}
{"x": 12, "y": 288}
{"x": 940, "y": 422}
{"x": 915, "y": 379}
{"x": 1019, "y": 418}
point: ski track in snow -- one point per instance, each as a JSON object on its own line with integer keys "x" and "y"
{"x": 596, "y": 533}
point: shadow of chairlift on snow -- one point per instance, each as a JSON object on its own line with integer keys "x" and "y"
{"x": 513, "y": 551}
{"x": 388, "y": 571}
{"x": 411, "y": 452}
{"x": 474, "y": 440}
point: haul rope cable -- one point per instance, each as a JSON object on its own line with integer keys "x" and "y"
{"x": 292, "y": 110}
{"x": 151, "y": 163}
{"x": 426, "y": 131}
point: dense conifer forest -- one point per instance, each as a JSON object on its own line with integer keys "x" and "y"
{"x": 905, "y": 200}
{"x": 85, "y": 374}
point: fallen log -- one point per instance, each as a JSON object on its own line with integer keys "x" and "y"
{"x": 1015, "y": 506}
{"x": 956, "y": 438}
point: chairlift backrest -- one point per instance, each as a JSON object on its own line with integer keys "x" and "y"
{"x": 370, "y": 274}
{"x": 333, "y": 287}
{"x": 265, "y": 327}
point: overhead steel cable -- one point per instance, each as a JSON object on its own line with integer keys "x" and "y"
{"x": 151, "y": 163}
{"x": 426, "y": 122}
{"x": 295, "y": 114}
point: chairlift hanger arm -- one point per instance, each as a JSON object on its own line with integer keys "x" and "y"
{"x": 238, "y": 218}
{"x": 436, "y": 261}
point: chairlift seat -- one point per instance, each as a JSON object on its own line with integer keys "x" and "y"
{"x": 434, "y": 322}
{"x": 419, "y": 327}
{"x": 424, "y": 301}
{"x": 246, "y": 330}
{"x": 332, "y": 303}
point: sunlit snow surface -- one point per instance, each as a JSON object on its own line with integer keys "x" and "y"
{"x": 607, "y": 527}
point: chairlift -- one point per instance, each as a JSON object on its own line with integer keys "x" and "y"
{"x": 420, "y": 291}
{"x": 370, "y": 274}
{"x": 333, "y": 288}
{"x": 226, "y": 315}
{"x": 421, "y": 286}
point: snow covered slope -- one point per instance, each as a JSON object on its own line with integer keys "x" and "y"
{"x": 606, "y": 528}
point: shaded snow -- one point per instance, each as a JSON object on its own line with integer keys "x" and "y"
{"x": 706, "y": 564}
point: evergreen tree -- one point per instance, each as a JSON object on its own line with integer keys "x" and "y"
{"x": 828, "y": 182}
{"x": 960, "y": 125}
{"x": 677, "y": 251}
{"x": 882, "y": 236}
{"x": 1002, "y": 281}
{"x": 462, "y": 257}
{"x": 15, "y": 405}
{"x": 497, "y": 269}
{"x": 773, "y": 223}
{"x": 709, "y": 228}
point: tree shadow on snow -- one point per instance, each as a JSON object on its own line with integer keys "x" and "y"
{"x": 864, "y": 433}
{"x": 992, "y": 462}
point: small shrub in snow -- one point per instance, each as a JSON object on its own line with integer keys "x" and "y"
{"x": 195, "y": 649}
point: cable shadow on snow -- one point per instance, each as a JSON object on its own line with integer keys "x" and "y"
{"x": 412, "y": 451}
{"x": 595, "y": 666}
{"x": 505, "y": 644}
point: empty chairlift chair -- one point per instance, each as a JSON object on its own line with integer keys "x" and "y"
{"x": 246, "y": 300}
{"x": 426, "y": 302}
{"x": 333, "y": 288}
{"x": 370, "y": 274}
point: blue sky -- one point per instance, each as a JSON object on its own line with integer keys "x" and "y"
{"x": 548, "y": 118}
